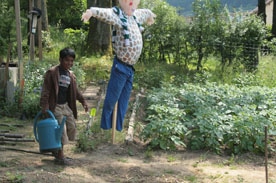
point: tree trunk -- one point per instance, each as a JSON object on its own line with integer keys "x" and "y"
{"x": 45, "y": 24}
{"x": 99, "y": 36}
{"x": 261, "y": 10}
{"x": 274, "y": 20}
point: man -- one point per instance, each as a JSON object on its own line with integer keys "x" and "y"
{"x": 59, "y": 95}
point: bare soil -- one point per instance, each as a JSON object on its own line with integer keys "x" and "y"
{"x": 126, "y": 163}
{"x": 130, "y": 162}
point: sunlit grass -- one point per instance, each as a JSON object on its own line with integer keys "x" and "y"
{"x": 267, "y": 70}
{"x": 96, "y": 68}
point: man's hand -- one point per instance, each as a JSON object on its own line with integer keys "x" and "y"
{"x": 44, "y": 111}
{"x": 86, "y": 16}
{"x": 85, "y": 107}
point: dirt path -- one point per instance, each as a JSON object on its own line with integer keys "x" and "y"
{"x": 128, "y": 163}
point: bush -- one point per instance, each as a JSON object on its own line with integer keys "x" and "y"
{"x": 33, "y": 76}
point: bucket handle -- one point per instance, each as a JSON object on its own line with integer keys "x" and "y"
{"x": 35, "y": 122}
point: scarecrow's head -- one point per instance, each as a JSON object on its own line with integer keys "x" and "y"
{"x": 129, "y": 6}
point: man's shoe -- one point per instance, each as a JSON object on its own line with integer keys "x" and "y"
{"x": 64, "y": 161}
{"x": 55, "y": 154}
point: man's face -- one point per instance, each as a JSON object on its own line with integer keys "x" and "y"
{"x": 67, "y": 62}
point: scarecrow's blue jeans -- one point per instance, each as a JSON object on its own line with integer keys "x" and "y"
{"x": 118, "y": 89}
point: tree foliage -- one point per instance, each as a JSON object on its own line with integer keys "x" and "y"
{"x": 172, "y": 39}
{"x": 158, "y": 40}
{"x": 235, "y": 38}
{"x": 99, "y": 37}
{"x": 205, "y": 27}
{"x": 66, "y": 14}
{"x": 7, "y": 28}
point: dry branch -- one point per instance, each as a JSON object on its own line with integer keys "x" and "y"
{"x": 129, "y": 136}
{"x": 5, "y": 131}
{"x": 12, "y": 135}
{"x": 16, "y": 139}
{"x": 11, "y": 125}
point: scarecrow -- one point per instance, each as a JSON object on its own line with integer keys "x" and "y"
{"x": 127, "y": 43}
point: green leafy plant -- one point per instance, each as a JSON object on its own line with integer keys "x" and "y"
{"x": 76, "y": 38}
{"x": 221, "y": 118}
{"x": 17, "y": 177}
{"x": 33, "y": 77}
{"x": 85, "y": 144}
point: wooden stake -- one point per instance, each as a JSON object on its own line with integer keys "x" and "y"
{"x": 6, "y": 75}
{"x": 19, "y": 47}
{"x": 266, "y": 169}
{"x": 114, "y": 122}
{"x": 39, "y": 33}
{"x": 32, "y": 38}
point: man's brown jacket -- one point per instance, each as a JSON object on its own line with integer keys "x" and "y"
{"x": 49, "y": 94}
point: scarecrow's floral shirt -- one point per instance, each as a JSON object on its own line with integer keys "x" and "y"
{"x": 126, "y": 53}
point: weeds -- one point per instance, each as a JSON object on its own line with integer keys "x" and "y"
{"x": 149, "y": 154}
{"x": 14, "y": 177}
{"x": 171, "y": 158}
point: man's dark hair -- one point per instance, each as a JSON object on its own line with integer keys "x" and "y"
{"x": 67, "y": 52}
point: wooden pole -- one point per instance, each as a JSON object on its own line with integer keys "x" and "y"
{"x": 32, "y": 38}
{"x": 6, "y": 74}
{"x": 266, "y": 169}
{"x": 114, "y": 122}
{"x": 19, "y": 48}
{"x": 44, "y": 16}
{"x": 39, "y": 32}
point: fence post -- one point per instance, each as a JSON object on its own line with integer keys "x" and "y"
{"x": 266, "y": 169}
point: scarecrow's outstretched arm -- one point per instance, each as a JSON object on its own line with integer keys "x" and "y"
{"x": 103, "y": 14}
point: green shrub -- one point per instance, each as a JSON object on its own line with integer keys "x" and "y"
{"x": 33, "y": 76}
{"x": 75, "y": 39}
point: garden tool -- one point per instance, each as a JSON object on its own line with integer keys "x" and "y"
{"x": 92, "y": 114}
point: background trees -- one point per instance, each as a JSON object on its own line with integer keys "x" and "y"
{"x": 66, "y": 14}
{"x": 7, "y": 29}
{"x": 99, "y": 39}
{"x": 212, "y": 30}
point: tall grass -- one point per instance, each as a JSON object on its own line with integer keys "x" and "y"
{"x": 267, "y": 71}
